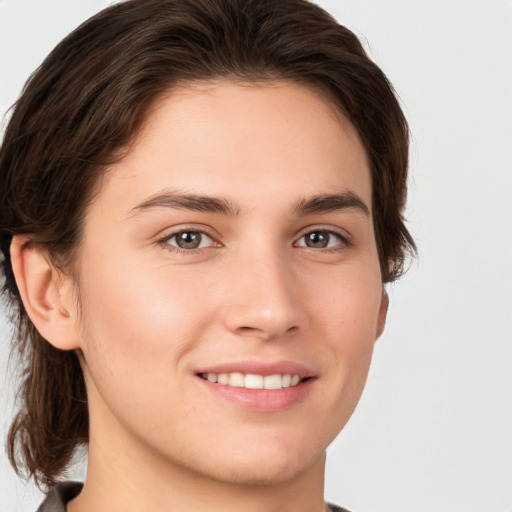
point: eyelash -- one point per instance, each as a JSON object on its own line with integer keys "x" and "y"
{"x": 164, "y": 241}
{"x": 343, "y": 245}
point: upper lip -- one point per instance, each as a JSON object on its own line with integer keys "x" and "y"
{"x": 260, "y": 368}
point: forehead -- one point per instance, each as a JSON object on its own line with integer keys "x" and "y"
{"x": 242, "y": 141}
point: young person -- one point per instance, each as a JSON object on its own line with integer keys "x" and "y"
{"x": 201, "y": 203}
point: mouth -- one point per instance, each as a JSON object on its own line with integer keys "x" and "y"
{"x": 260, "y": 387}
{"x": 254, "y": 381}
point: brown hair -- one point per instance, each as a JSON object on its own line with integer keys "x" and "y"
{"x": 86, "y": 102}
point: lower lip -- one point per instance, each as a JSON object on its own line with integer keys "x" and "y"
{"x": 262, "y": 400}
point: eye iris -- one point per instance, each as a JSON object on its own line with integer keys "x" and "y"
{"x": 317, "y": 239}
{"x": 188, "y": 240}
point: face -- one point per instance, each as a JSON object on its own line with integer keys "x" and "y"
{"x": 230, "y": 284}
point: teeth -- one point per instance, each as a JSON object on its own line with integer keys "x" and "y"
{"x": 273, "y": 382}
{"x": 253, "y": 381}
{"x": 287, "y": 380}
{"x": 236, "y": 380}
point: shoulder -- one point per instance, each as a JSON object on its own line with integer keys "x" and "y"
{"x": 57, "y": 498}
{"x": 329, "y": 507}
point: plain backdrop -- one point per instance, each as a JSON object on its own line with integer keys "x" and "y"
{"x": 433, "y": 431}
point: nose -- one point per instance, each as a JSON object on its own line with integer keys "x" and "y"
{"x": 263, "y": 297}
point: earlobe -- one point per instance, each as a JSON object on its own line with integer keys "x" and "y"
{"x": 46, "y": 294}
{"x": 383, "y": 312}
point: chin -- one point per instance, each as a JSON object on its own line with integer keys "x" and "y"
{"x": 260, "y": 467}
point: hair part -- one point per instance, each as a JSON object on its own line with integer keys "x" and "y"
{"x": 84, "y": 105}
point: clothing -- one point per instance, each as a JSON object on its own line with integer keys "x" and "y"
{"x": 66, "y": 491}
{"x": 59, "y": 496}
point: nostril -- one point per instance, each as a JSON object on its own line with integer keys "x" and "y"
{"x": 263, "y": 319}
{"x": 259, "y": 330}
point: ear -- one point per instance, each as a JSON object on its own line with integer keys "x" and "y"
{"x": 383, "y": 312}
{"x": 46, "y": 293}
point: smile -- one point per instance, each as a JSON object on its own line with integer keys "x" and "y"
{"x": 253, "y": 381}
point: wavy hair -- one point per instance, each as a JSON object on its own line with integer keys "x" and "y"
{"x": 86, "y": 102}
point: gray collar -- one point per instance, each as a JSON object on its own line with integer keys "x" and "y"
{"x": 58, "y": 497}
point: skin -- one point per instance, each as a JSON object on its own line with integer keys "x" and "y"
{"x": 153, "y": 314}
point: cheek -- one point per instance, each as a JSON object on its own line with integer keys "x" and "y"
{"x": 138, "y": 299}
{"x": 140, "y": 324}
{"x": 348, "y": 303}
{"x": 348, "y": 316}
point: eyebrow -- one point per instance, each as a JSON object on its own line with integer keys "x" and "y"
{"x": 325, "y": 203}
{"x": 332, "y": 203}
{"x": 195, "y": 202}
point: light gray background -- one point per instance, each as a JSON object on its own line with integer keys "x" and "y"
{"x": 433, "y": 431}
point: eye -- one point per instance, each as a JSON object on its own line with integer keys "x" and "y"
{"x": 189, "y": 240}
{"x": 321, "y": 239}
